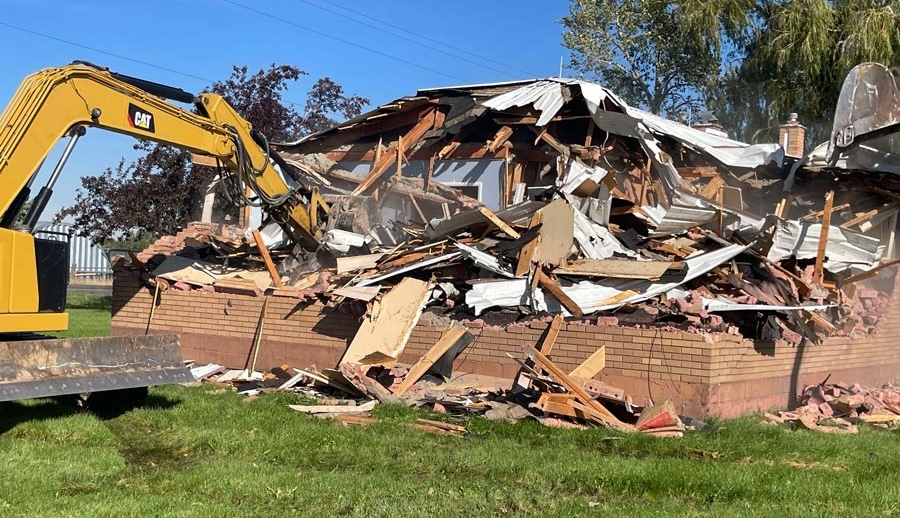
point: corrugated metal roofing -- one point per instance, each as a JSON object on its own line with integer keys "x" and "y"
{"x": 84, "y": 256}
{"x": 546, "y": 97}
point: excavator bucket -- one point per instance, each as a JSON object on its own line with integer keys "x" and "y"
{"x": 33, "y": 368}
{"x": 868, "y": 107}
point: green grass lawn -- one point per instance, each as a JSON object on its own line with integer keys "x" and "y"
{"x": 205, "y": 451}
{"x": 89, "y": 315}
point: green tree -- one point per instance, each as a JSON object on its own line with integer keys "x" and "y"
{"x": 752, "y": 62}
{"x": 658, "y": 55}
{"x": 796, "y": 58}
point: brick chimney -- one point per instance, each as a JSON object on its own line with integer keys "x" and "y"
{"x": 791, "y": 136}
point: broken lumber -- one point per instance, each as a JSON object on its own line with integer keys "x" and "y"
{"x": 264, "y": 252}
{"x": 618, "y": 268}
{"x": 823, "y": 238}
{"x": 411, "y": 138}
{"x": 335, "y": 409}
{"x": 444, "y": 343}
{"x": 386, "y": 329}
{"x": 563, "y": 379}
{"x": 589, "y": 368}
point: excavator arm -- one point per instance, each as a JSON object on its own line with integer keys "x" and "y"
{"x": 57, "y": 102}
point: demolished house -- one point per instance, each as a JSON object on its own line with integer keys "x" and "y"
{"x": 644, "y": 257}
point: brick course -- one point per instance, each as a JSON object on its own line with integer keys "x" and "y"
{"x": 703, "y": 373}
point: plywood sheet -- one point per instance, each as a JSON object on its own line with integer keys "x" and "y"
{"x": 557, "y": 234}
{"x": 386, "y": 330}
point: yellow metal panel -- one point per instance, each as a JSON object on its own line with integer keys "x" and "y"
{"x": 35, "y": 322}
{"x": 18, "y": 273}
{"x": 23, "y": 282}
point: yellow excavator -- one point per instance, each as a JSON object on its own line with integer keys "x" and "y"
{"x": 56, "y": 103}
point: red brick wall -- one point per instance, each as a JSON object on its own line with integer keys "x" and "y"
{"x": 704, "y": 374}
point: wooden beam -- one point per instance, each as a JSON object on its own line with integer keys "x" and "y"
{"x": 563, "y": 379}
{"x": 500, "y": 138}
{"x": 429, "y": 174}
{"x": 712, "y": 188}
{"x": 818, "y": 272}
{"x": 447, "y": 150}
{"x": 204, "y": 160}
{"x": 588, "y": 138}
{"x": 412, "y": 137}
{"x": 418, "y": 209}
{"x": 866, "y": 216}
{"x": 264, "y": 252}
{"x": 697, "y": 172}
{"x": 868, "y": 274}
{"x": 818, "y": 214}
{"x": 499, "y": 223}
{"x": 551, "y": 286}
{"x": 619, "y": 268}
{"x": 592, "y": 365}
{"x": 552, "y": 335}
{"x": 444, "y": 343}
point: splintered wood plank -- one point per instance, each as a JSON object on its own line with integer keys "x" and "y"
{"x": 264, "y": 252}
{"x": 563, "y": 409}
{"x": 521, "y": 380}
{"x": 697, "y": 172}
{"x": 552, "y": 335}
{"x": 444, "y": 343}
{"x": 818, "y": 214}
{"x": 335, "y": 409}
{"x": 527, "y": 251}
{"x": 866, "y": 216}
{"x": 387, "y": 160}
{"x": 499, "y": 223}
{"x": 618, "y": 268}
{"x": 818, "y": 272}
{"x": 204, "y": 160}
{"x": 500, "y": 138}
{"x": 712, "y": 188}
{"x": 386, "y": 330}
{"x": 554, "y": 289}
{"x": 563, "y": 379}
{"x": 592, "y": 365}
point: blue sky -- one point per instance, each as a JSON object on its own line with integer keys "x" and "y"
{"x": 190, "y": 43}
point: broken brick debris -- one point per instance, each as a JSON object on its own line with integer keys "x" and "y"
{"x": 840, "y": 408}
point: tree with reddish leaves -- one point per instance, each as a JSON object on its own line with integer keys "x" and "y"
{"x": 162, "y": 190}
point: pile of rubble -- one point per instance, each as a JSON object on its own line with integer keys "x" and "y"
{"x": 541, "y": 390}
{"x": 839, "y": 408}
{"x": 603, "y": 211}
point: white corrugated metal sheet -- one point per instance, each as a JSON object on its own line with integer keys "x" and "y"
{"x": 85, "y": 258}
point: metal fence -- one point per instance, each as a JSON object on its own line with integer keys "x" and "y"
{"x": 85, "y": 258}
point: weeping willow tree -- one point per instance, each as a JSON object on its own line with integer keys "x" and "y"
{"x": 752, "y": 62}
{"x": 656, "y": 54}
{"x": 795, "y": 59}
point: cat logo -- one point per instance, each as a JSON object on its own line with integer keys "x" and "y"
{"x": 141, "y": 119}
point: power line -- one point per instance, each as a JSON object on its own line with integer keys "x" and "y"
{"x": 411, "y": 40}
{"x": 346, "y": 42}
{"x": 120, "y": 56}
{"x": 428, "y": 38}
{"x": 107, "y": 53}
